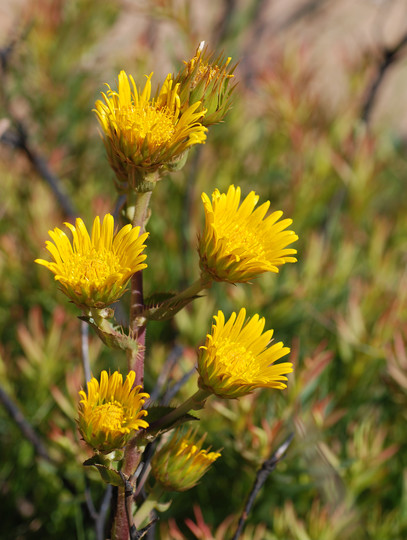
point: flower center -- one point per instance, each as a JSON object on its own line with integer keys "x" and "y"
{"x": 92, "y": 268}
{"x": 241, "y": 241}
{"x": 237, "y": 360}
{"x": 108, "y": 416}
{"x": 146, "y": 122}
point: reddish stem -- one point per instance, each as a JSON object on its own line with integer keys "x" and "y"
{"x": 132, "y": 456}
{"x": 136, "y": 358}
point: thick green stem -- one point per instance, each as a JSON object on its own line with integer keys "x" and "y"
{"x": 176, "y": 302}
{"x": 147, "y": 507}
{"x": 137, "y": 208}
{"x": 199, "y": 285}
{"x": 195, "y": 402}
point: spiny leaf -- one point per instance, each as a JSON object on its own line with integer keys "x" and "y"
{"x": 163, "y": 306}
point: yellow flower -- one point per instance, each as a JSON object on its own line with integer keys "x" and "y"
{"x": 237, "y": 243}
{"x": 236, "y": 357}
{"x": 111, "y": 411}
{"x": 206, "y": 79}
{"x": 146, "y": 133}
{"x": 93, "y": 271}
{"x": 180, "y": 463}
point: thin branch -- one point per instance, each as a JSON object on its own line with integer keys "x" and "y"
{"x": 102, "y": 515}
{"x": 29, "y": 433}
{"x": 99, "y": 517}
{"x": 263, "y": 30}
{"x": 268, "y": 466}
{"x": 25, "y": 427}
{"x": 18, "y": 138}
{"x": 222, "y": 27}
{"x": 89, "y": 501}
{"x": 174, "y": 389}
{"x": 120, "y": 204}
{"x": 389, "y": 56}
{"x": 148, "y": 454}
{"x": 170, "y": 361}
{"x": 305, "y": 11}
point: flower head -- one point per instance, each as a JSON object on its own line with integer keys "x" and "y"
{"x": 93, "y": 270}
{"x": 143, "y": 133}
{"x": 111, "y": 412}
{"x": 238, "y": 243}
{"x": 180, "y": 463}
{"x": 237, "y": 358}
{"x": 206, "y": 79}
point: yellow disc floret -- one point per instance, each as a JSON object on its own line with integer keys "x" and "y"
{"x": 138, "y": 124}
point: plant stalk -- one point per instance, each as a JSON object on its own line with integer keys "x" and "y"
{"x": 195, "y": 402}
{"x": 137, "y": 204}
{"x": 135, "y": 358}
{"x": 148, "y": 506}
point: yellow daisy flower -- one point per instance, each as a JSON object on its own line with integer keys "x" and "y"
{"x": 238, "y": 243}
{"x": 110, "y": 412}
{"x": 237, "y": 358}
{"x": 181, "y": 462}
{"x": 93, "y": 271}
{"x": 146, "y": 133}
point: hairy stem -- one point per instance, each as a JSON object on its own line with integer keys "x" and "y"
{"x": 123, "y": 520}
{"x": 137, "y": 326}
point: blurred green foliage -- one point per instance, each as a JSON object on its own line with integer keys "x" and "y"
{"x": 341, "y": 308}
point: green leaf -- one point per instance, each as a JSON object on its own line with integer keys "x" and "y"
{"x": 108, "y": 475}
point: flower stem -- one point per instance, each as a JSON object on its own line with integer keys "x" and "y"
{"x": 195, "y": 402}
{"x": 148, "y": 506}
{"x": 199, "y": 285}
{"x": 135, "y": 358}
{"x": 177, "y": 301}
{"x": 137, "y": 207}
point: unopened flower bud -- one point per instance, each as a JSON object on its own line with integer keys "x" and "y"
{"x": 181, "y": 462}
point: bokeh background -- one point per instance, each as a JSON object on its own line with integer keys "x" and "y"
{"x": 318, "y": 127}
